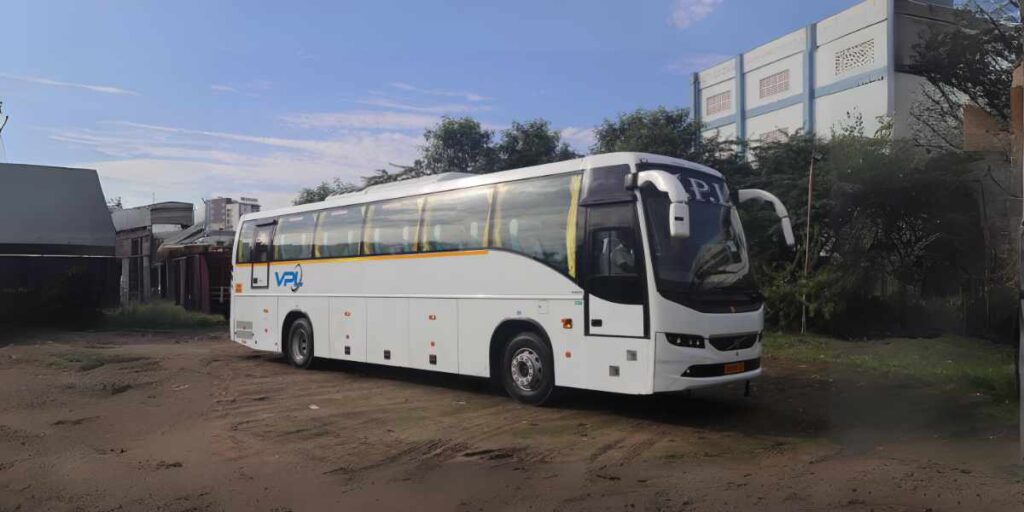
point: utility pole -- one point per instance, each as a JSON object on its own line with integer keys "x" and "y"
{"x": 1020, "y": 273}
{"x": 807, "y": 239}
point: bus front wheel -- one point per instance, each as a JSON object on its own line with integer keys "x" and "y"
{"x": 528, "y": 369}
{"x": 300, "y": 343}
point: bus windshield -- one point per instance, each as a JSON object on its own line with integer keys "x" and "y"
{"x": 710, "y": 270}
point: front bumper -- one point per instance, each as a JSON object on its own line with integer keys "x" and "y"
{"x": 680, "y": 368}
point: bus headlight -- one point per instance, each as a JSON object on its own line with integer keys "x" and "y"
{"x": 685, "y": 340}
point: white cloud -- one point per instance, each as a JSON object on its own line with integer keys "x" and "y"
{"x": 363, "y": 120}
{"x": 694, "y": 62}
{"x": 105, "y": 89}
{"x": 688, "y": 12}
{"x": 222, "y": 88}
{"x": 579, "y": 138}
{"x": 432, "y": 109}
{"x": 468, "y": 96}
{"x": 136, "y": 160}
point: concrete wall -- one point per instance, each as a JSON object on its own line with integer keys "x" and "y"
{"x": 833, "y": 68}
{"x": 841, "y": 68}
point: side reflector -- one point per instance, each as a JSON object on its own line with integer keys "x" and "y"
{"x": 567, "y": 323}
{"x": 568, "y": 355}
{"x": 238, "y": 287}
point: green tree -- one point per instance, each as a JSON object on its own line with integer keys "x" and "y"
{"x": 669, "y": 132}
{"x": 323, "y": 191}
{"x": 456, "y": 145}
{"x": 531, "y": 143}
{"x": 971, "y": 61}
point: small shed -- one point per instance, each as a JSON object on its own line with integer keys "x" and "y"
{"x": 56, "y": 243}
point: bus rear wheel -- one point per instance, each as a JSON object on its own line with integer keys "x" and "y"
{"x": 300, "y": 344}
{"x": 528, "y": 369}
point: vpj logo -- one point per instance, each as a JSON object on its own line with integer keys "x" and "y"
{"x": 291, "y": 278}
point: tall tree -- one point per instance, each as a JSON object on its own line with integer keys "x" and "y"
{"x": 457, "y": 145}
{"x": 970, "y": 61}
{"x": 323, "y": 191}
{"x": 669, "y": 132}
{"x": 531, "y": 143}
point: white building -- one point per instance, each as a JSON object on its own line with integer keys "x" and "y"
{"x": 222, "y": 213}
{"x": 852, "y": 64}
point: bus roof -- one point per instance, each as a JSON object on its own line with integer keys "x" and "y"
{"x": 458, "y": 180}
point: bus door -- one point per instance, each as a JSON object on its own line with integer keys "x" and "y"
{"x": 260, "y": 277}
{"x": 613, "y": 277}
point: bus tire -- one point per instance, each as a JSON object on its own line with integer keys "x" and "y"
{"x": 528, "y": 369}
{"x": 299, "y": 349}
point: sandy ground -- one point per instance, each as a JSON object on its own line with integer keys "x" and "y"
{"x": 190, "y": 421}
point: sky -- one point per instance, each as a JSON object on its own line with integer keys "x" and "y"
{"x": 195, "y": 99}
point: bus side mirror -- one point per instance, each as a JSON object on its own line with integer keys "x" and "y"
{"x": 679, "y": 220}
{"x": 679, "y": 209}
{"x": 753, "y": 194}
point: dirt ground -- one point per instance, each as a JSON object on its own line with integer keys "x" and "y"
{"x": 190, "y": 421}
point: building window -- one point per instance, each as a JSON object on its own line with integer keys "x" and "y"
{"x": 718, "y": 103}
{"x": 855, "y": 57}
{"x": 775, "y": 84}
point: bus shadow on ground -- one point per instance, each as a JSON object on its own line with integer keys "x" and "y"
{"x": 852, "y": 412}
{"x": 724, "y": 408}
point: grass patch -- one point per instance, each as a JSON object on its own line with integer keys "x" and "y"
{"x": 159, "y": 315}
{"x": 948, "y": 362}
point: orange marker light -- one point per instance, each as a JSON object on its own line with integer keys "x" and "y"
{"x": 432, "y": 317}
{"x": 238, "y": 287}
{"x": 567, "y": 323}
{"x": 568, "y": 355}
{"x": 348, "y": 313}
{"x": 431, "y": 343}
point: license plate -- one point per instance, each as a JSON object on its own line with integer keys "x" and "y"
{"x": 732, "y": 368}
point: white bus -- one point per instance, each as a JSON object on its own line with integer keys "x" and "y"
{"x": 621, "y": 272}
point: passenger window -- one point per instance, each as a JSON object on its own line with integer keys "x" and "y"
{"x": 391, "y": 227}
{"x": 244, "y": 254}
{"x": 457, "y": 220}
{"x": 338, "y": 232}
{"x": 537, "y": 218}
{"x": 293, "y": 239}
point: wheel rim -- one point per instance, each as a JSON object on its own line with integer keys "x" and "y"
{"x": 527, "y": 369}
{"x": 299, "y": 346}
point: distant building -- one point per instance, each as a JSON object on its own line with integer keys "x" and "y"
{"x": 197, "y": 260}
{"x": 853, "y": 64}
{"x": 140, "y": 233}
{"x": 56, "y": 243}
{"x": 222, "y": 213}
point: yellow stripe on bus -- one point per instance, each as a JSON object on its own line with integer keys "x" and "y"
{"x": 479, "y": 252}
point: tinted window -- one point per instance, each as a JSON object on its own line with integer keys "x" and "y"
{"x": 537, "y": 218}
{"x": 456, "y": 220}
{"x": 613, "y": 252}
{"x": 391, "y": 227}
{"x": 293, "y": 239}
{"x": 338, "y": 232}
{"x": 606, "y": 185}
{"x": 244, "y": 252}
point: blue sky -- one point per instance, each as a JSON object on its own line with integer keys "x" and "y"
{"x": 191, "y": 99}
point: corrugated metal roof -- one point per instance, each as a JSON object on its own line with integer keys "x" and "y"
{"x": 53, "y": 208}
